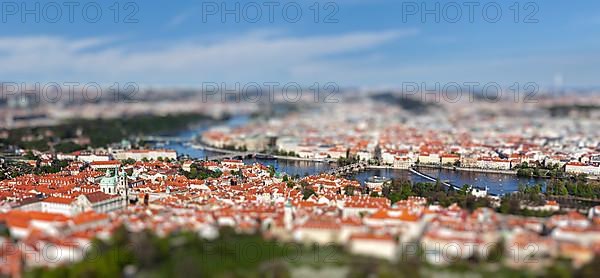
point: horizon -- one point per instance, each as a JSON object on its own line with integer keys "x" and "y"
{"x": 351, "y": 43}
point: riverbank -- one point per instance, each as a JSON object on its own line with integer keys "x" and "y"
{"x": 294, "y": 158}
{"x": 498, "y": 183}
{"x": 491, "y": 171}
{"x": 385, "y": 167}
{"x": 477, "y": 170}
{"x": 203, "y": 146}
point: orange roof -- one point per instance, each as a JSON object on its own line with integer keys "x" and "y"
{"x": 98, "y": 196}
{"x": 87, "y": 217}
{"x": 382, "y": 237}
{"x": 109, "y": 162}
{"x": 59, "y": 200}
{"x": 21, "y": 219}
{"x": 402, "y": 214}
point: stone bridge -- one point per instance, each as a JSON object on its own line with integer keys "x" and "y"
{"x": 350, "y": 168}
{"x": 233, "y": 155}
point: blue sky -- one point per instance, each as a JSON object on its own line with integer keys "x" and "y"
{"x": 170, "y": 44}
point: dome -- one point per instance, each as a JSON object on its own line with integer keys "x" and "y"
{"x": 108, "y": 180}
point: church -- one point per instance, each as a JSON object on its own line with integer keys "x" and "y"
{"x": 114, "y": 184}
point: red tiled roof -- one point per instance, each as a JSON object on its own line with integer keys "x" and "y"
{"x": 109, "y": 162}
{"x": 58, "y": 200}
{"x": 98, "y": 196}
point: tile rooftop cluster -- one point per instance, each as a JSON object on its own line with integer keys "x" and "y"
{"x": 494, "y": 137}
{"x": 70, "y": 208}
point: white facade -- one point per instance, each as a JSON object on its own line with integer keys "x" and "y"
{"x": 582, "y": 169}
{"x": 92, "y": 157}
{"x": 316, "y": 235}
{"x": 62, "y": 208}
{"x": 374, "y": 247}
{"x": 145, "y": 154}
{"x": 430, "y": 159}
{"x": 402, "y": 162}
{"x": 495, "y": 164}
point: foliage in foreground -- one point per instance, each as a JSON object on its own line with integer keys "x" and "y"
{"x": 250, "y": 255}
{"x": 188, "y": 255}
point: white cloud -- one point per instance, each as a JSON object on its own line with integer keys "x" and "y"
{"x": 379, "y": 71}
{"x": 256, "y": 56}
{"x": 179, "y": 19}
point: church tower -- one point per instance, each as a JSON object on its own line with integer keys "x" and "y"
{"x": 122, "y": 186}
{"x": 115, "y": 183}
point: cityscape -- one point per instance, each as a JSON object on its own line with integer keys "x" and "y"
{"x": 299, "y": 139}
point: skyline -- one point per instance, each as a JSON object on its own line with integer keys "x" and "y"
{"x": 369, "y": 46}
{"x": 399, "y": 138}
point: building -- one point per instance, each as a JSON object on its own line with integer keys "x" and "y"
{"x": 582, "y": 168}
{"x": 429, "y": 158}
{"x": 96, "y": 201}
{"x": 90, "y": 157}
{"x": 493, "y": 163}
{"x": 380, "y": 246}
{"x": 99, "y": 202}
{"x": 479, "y": 192}
{"x": 114, "y": 183}
{"x": 320, "y": 231}
{"x": 450, "y": 159}
{"x": 468, "y": 161}
{"x": 139, "y": 155}
{"x": 104, "y": 165}
{"x": 232, "y": 163}
{"x": 402, "y": 162}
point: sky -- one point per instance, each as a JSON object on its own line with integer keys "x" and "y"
{"x": 376, "y": 43}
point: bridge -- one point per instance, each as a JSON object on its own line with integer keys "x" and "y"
{"x": 350, "y": 168}
{"x": 163, "y": 139}
{"x": 223, "y": 153}
{"x": 232, "y": 155}
{"x": 447, "y": 184}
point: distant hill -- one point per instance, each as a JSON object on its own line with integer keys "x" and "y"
{"x": 410, "y": 104}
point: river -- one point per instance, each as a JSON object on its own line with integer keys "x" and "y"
{"x": 497, "y": 183}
